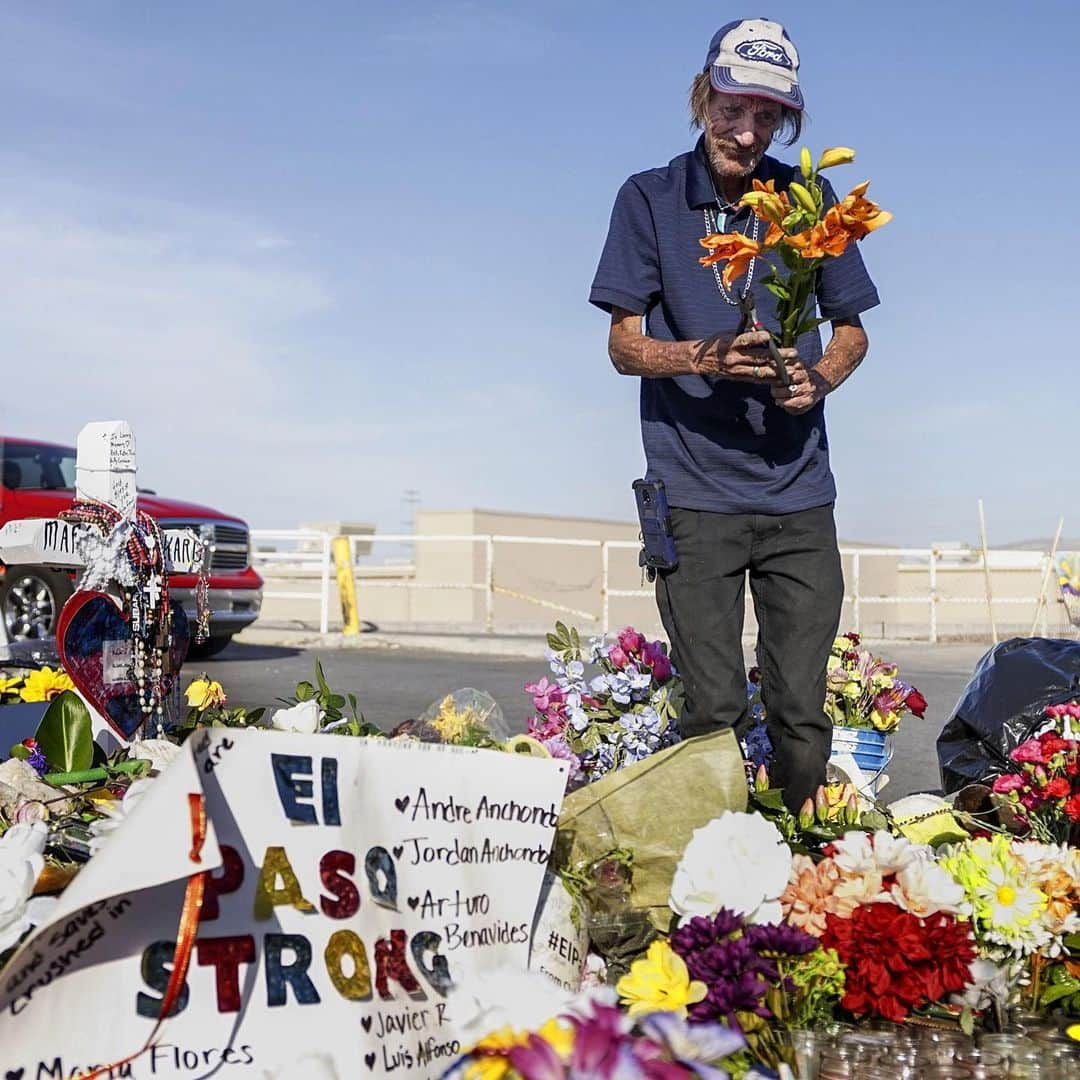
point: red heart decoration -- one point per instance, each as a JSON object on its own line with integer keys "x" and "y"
{"x": 93, "y": 637}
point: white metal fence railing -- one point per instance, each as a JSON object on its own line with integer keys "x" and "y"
{"x": 304, "y": 557}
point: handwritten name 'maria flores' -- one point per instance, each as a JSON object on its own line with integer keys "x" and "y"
{"x": 427, "y": 808}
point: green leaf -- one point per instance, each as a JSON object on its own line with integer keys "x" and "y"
{"x": 1057, "y": 993}
{"x": 967, "y": 1020}
{"x": 873, "y": 820}
{"x": 64, "y": 734}
{"x": 335, "y": 701}
{"x": 19, "y": 751}
{"x": 304, "y": 691}
{"x": 778, "y": 290}
{"x": 321, "y": 678}
{"x": 772, "y": 799}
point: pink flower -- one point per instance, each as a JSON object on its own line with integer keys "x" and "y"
{"x": 1030, "y": 751}
{"x": 654, "y": 656}
{"x": 1009, "y": 782}
{"x": 630, "y": 641}
{"x": 545, "y": 694}
{"x": 617, "y": 656}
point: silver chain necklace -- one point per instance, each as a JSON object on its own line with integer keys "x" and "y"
{"x": 712, "y": 226}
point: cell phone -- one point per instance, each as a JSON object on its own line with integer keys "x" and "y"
{"x": 657, "y": 543}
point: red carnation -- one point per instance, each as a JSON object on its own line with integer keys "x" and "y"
{"x": 1052, "y": 743}
{"x": 916, "y": 703}
{"x": 1058, "y": 788}
{"x": 896, "y": 962}
{"x": 1072, "y": 808}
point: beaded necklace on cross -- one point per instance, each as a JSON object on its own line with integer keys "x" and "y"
{"x": 146, "y": 602}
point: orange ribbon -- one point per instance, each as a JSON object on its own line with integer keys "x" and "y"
{"x": 185, "y": 935}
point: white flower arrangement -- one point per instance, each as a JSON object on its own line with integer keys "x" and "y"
{"x": 304, "y": 718}
{"x": 737, "y": 861}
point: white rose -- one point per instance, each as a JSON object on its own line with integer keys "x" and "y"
{"x": 924, "y": 888}
{"x": 736, "y": 861}
{"x": 304, "y": 718}
{"x": 159, "y": 752}
{"x": 21, "y": 861}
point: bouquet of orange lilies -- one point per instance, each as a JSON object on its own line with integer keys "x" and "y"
{"x": 802, "y": 232}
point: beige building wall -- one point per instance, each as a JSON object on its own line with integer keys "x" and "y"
{"x": 536, "y": 584}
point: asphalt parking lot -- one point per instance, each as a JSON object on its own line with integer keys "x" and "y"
{"x": 397, "y": 683}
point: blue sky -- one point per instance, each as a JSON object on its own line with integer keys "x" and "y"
{"x": 320, "y": 254}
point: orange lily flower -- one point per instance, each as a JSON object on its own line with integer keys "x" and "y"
{"x": 860, "y": 215}
{"x": 740, "y": 251}
{"x": 850, "y": 219}
{"x": 828, "y": 237}
{"x": 766, "y": 202}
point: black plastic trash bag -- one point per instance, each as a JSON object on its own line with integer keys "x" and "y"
{"x": 1003, "y": 705}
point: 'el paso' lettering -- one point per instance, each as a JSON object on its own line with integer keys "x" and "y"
{"x": 288, "y": 958}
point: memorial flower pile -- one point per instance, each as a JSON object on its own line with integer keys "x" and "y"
{"x": 1042, "y": 790}
{"x": 803, "y": 232}
{"x": 595, "y": 1039}
{"x": 865, "y": 691}
{"x": 622, "y": 713}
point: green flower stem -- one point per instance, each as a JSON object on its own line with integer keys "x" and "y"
{"x": 86, "y": 776}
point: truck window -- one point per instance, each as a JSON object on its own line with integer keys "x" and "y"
{"x": 27, "y": 467}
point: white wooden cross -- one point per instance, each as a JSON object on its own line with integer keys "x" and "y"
{"x": 104, "y": 470}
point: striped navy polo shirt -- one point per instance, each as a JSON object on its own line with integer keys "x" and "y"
{"x": 718, "y": 444}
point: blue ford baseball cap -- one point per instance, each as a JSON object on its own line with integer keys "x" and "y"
{"x": 755, "y": 56}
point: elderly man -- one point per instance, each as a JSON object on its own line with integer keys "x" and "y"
{"x": 743, "y": 455}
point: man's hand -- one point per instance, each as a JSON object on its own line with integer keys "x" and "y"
{"x": 745, "y": 357}
{"x": 806, "y": 389}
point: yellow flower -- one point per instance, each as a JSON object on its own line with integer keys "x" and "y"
{"x": 835, "y": 155}
{"x": 491, "y": 1055}
{"x": 659, "y": 983}
{"x": 204, "y": 694}
{"x": 11, "y": 687}
{"x": 884, "y": 722}
{"x": 451, "y": 724}
{"x": 45, "y": 684}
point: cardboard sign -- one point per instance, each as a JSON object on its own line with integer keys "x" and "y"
{"x": 355, "y": 880}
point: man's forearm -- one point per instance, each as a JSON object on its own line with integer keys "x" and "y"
{"x": 842, "y": 356}
{"x": 637, "y": 354}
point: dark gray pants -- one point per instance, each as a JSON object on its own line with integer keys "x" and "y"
{"x": 798, "y": 588}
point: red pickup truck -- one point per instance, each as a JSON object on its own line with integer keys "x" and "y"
{"x": 38, "y": 481}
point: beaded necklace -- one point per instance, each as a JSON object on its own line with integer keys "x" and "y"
{"x": 130, "y": 553}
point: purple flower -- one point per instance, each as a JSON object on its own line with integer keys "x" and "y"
{"x": 757, "y": 746}
{"x": 537, "y": 1060}
{"x": 654, "y": 656}
{"x": 36, "y": 760}
{"x": 737, "y": 963}
{"x": 630, "y": 641}
{"x": 597, "y": 1041}
{"x": 780, "y": 940}
{"x": 698, "y": 1046}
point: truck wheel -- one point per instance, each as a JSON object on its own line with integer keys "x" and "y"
{"x": 210, "y": 647}
{"x": 31, "y": 599}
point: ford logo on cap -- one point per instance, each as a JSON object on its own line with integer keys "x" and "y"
{"x": 765, "y": 51}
